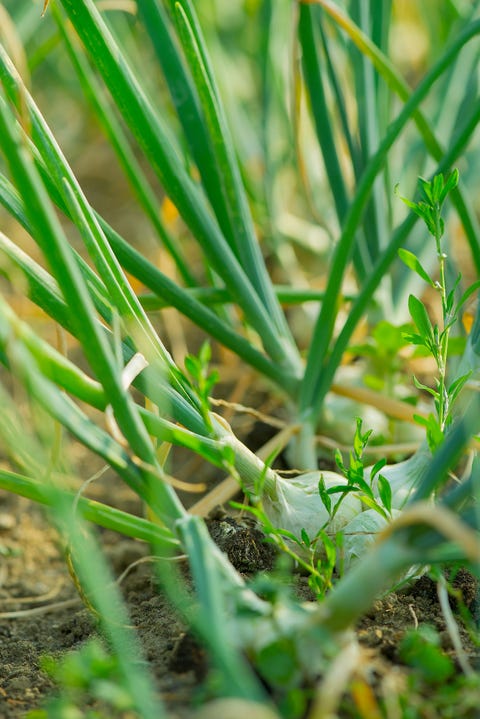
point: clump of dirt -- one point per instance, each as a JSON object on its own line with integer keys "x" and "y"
{"x": 41, "y": 614}
{"x": 243, "y": 543}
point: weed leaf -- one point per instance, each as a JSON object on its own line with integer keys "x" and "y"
{"x": 420, "y": 316}
{"x": 324, "y": 495}
{"x": 412, "y": 261}
{"x": 385, "y": 492}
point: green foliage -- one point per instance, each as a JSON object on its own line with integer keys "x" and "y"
{"x": 457, "y": 697}
{"x": 384, "y": 490}
{"x": 317, "y": 556}
{"x": 429, "y": 208}
{"x": 385, "y": 370}
{"x": 90, "y": 686}
{"x": 411, "y": 261}
{"x": 354, "y": 473}
{"x": 421, "y": 650}
{"x": 196, "y": 145}
{"x": 202, "y": 379}
{"x": 434, "y": 338}
{"x": 279, "y": 666}
{"x": 277, "y": 663}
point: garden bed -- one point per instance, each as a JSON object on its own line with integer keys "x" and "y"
{"x": 230, "y": 260}
{"x": 34, "y": 574}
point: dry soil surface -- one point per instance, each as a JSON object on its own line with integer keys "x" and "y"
{"x": 41, "y": 613}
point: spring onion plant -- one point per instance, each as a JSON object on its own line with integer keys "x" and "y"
{"x": 158, "y": 93}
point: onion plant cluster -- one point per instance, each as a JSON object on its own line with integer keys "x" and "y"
{"x": 188, "y": 147}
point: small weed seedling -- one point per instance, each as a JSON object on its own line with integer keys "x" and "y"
{"x": 88, "y": 676}
{"x": 434, "y": 338}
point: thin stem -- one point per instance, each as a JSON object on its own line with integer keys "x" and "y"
{"x": 442, "y": 355}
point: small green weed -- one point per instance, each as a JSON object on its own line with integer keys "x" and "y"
{"x": 434, "y": 338}
{"x": 420, "y": 648}
{"x": 434, "y": 686}
{"x": 90, "y": 686}
{"x": 387, "y": 370}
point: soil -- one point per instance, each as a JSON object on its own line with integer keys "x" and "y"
{"x": 41, "y": 613}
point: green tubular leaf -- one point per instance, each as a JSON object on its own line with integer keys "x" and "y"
{"x": 315, "y": 385}
{"x": 375, "y": 228}
{"x": 156, "y": 22}
{"x": 140, "y": 267}
{"x": 210, "y": 449}
{"x": 186, "y": 303}
{"x": 381, "y": 267}
{"x": 173, "y": 295}
{"x": 400, "y": 87}
{"x": 158, "y": 147}
{"x": 161, "y": 498}
{"x": 313, "y": 74}
{"x": 54, "y": 365}
{"x": 59, "y": 370}
{"x": 49, "y": 235}
{"x": 223, "y": 155}
{"x": 124, "y": 299}
{"x": 58, "y": 170}
{"x": 217, "y": 295}
{"x": 211, "y": 587}
{"x": 62, "y": 185}
{"x": 67, "y": 375}
{"x": 336, "y": 83}
{"x": 59, "y": 406}
{"x": 12, "y": 201}
{"x": 42, "y": 219}
{"x": 93, "y": 511}
{"x": 98, "y": 584}
{"x": 64, "y": 373}
{"x": 189, "y": 12}
{"x": 146, "y": 196}
{"x": 152, "y": 384}
{"x": 44, "y": 291}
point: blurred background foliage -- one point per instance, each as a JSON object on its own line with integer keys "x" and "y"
{"x": 257, "y": 61}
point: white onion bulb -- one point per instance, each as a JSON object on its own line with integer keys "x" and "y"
{"x": 361, "y": 532}
{"x": 297, "y": 504}
{"x": 403, "y": 477}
